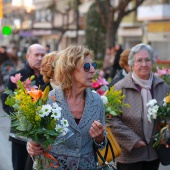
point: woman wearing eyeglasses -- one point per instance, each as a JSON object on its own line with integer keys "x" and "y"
{"x": 82, "y": 108}
{"x": 132, "y": 129}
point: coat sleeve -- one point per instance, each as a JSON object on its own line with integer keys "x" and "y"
{"x": 125, "y": 136}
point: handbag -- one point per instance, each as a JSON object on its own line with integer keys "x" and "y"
{"x": 105, "y": 165}
{"x": 106, "y": 152}
{"x": 164, "y": 153}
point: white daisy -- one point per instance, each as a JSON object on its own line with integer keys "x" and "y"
{"x": 64, "y": 122}
{"x": 94, "y": 91}
{"x": 56, "y": 114}
{"x": 45, "y": 110}
{"x": 58, "y": 128}
{"x": 104, "y": 99}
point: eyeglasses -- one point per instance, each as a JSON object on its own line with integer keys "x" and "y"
{"x": 87, "y": 66}
{"x": 140, "y": 61}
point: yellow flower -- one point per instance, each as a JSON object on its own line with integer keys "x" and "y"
{"x": 37, "y": 118}
{"x": 167, "y": 99}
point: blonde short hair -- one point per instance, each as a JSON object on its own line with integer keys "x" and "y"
{"x": 124, "y": 58}
{"x": 69, "y": 60}
{"x": 48, "y": 65}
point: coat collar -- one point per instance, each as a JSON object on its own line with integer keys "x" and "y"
{"x": 130, "y": 83}
{"x": 89, "y": 109}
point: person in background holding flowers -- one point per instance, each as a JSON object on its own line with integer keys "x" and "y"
{"x": 82, "y": 108}
{"x": 34, "y": 57}
{"x": 132, "y": 129}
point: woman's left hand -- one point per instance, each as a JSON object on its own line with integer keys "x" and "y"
{"x": 97, "y": 131}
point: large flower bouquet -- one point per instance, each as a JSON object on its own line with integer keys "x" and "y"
{"x": 164, "y": 73}
{"x": 162, "y": 112}
{"x": 35, "y": 120}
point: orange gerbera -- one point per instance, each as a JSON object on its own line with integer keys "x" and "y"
{"x": 35, "y": 94}
{"x": 167, "y": 99}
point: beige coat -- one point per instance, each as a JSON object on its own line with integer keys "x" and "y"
{"x": 128, "y": 128}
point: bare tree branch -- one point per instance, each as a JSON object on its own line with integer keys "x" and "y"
{"x": 101, "y": 11}
{"x": 138, "y": 3}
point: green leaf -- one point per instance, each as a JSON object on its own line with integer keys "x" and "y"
{"x": 20, "y": 85}
{"x": 8, "y": 92}
{"x": 10, "y": 101}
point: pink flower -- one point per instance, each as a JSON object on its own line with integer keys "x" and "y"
{"x": 102, "y": 81}
{"x": 168, "y": 71}
{"x": 15, "y": 78}
{"x": 27, "y": 85}
{"x": 161, "y": 72}
{"x": 95, "y": 85}
{"x": 101, "y": 73}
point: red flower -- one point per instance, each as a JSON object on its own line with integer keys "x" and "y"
{"x": 95, "y": 85}
{"x": 101, "y": 92}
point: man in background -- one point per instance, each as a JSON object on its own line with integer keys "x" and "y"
{"x": 34, "y": 56}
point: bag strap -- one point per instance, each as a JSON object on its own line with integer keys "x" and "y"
{"x": 107, "y": 148}
{"x": 96, "y": 152}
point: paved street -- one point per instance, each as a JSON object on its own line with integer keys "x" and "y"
{"x": 5, "y": 145}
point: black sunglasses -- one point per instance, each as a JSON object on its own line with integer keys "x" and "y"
{"x": 87, "y": 66}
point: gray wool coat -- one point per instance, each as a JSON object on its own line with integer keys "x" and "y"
{"x": 128, "y": 128}
{"x": 77, "y": 151}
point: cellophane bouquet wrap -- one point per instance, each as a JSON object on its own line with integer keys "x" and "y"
{"x": 35, "y": 120}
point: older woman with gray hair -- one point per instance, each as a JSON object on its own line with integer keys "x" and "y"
{"x": 132, "y": 129}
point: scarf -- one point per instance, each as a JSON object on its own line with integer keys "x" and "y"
{"x": 146, "y": 96}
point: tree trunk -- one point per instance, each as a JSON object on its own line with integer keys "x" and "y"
{"x": 110, "y": 35}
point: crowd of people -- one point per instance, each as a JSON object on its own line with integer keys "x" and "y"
{"x": 69, "y": 74}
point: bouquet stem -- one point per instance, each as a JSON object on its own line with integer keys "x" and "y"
{"x": 45, "y": 161}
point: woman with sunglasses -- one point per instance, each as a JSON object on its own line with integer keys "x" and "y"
{"x": 82, "y": 108}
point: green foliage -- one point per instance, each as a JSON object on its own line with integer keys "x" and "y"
{"x": 95, "y": 32}
{"x": 115, "y": 102}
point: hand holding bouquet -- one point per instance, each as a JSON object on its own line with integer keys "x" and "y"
{"x": 34, "y": 119}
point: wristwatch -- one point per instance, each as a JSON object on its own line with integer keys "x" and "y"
{"x": 101, "y": 144}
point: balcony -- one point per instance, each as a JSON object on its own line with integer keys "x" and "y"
{"x": 154, "y": 12}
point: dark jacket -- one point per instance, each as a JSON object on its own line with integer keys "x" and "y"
{"x": 26, "y": 72}
{"x": 45, "y": 85}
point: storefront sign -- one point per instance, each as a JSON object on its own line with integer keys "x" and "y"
{"x": 158, "y": 27}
